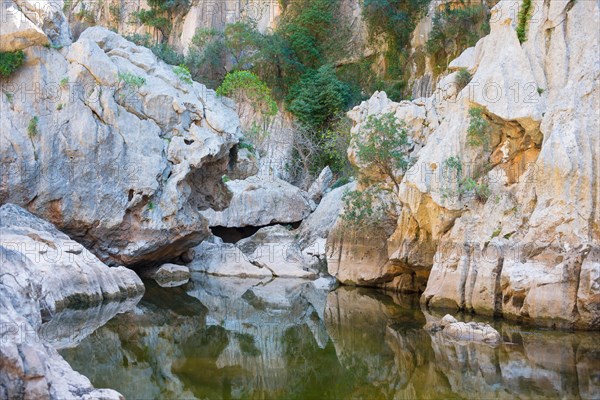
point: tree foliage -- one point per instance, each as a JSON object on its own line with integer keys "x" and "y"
{"x": 244, "y": 85}
{"x": 317, "y": 97}
{"x": 382, "y": 144}
{"x": 479, "y": 131}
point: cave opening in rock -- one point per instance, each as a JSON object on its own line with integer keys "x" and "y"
{"x": 234, "y": 235}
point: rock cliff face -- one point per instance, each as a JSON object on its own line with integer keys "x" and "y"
{"x": 523, "y": 240}
{"x": 111, "y": 145}
{"x": 44, "y": 272}
{"x": 207, "y": 14}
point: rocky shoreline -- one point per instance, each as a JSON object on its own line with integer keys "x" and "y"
{"x": 43, "y": 273}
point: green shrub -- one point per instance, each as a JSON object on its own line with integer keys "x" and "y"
{"x": 361, "y": 207}
{"x": 131, "y": 80}
{"x": 246, "y": 145}
{"x": 206, "y": 57}
{"x": 183, "y": 73}
{"x": 471, "y": 186}
{"x": 341, "y": 182}
{"x": 523, "y": 20}
{"x": 244, "y": 85}
{"x": 32, "y": 128}
{"x": 225, "y": 179}
{"x": 243, "y": 41}
{"x": 478, "y": 133}
{"x": 308, "y": 26}
{"x": 160, "y": 14}
{"x": 10, "y": 62}
{"x": 382, "y": 145}
{"x": 463, "y": 77}
{"x": 453, "y": 166}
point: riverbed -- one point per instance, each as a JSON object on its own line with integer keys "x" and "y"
{"x": 233, "y": 338}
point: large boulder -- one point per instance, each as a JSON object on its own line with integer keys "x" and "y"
{"x": 259, "y": 202}
{"x": 122, "y": 155}
{"x": 43, "y": 272}
{"x": 49, "y": 17}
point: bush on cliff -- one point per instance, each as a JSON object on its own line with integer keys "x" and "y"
{"x": 382, "y": 147}
{"x": 10, "y": 62}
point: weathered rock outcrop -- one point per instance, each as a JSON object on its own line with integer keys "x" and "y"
{"x": 114, "y": 148}
{"x": 260, "y": 202}
{"x": 44, "y": 271}
{"x": 185, "y": 20}
{"x": 522, "y": 240}
{"x": 28, "y": 23}
{"x": 17, "y": 32}
{"x": 275, "y": 250}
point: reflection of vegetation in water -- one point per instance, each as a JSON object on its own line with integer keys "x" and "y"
{"x": 198, "y": 369}
{"x": 247, "y": 345}
{"x": 316, "y": 373}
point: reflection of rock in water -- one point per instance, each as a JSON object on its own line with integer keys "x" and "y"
{"x": 70, "y": 326}
{"x": 261, "y": 320}
{"x": 404, "y": 361}
{"x": 134, "y": 351}
{"x": 245, "y": 338}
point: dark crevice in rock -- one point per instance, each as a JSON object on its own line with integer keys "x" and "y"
{"x": 498, "y": 288}
{"x": 234, "y": 235}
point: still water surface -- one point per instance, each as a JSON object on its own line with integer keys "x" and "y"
{"x": 229, "y": 338}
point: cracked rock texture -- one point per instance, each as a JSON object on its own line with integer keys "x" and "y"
{"x": 106, "y": 142}
{"x": 530, "y": 249}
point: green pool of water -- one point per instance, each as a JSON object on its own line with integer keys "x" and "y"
{"x": 226, "y": 338}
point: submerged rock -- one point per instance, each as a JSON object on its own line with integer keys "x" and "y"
{"x": 43, "y": 272}
{"x": 452, "y": 329}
